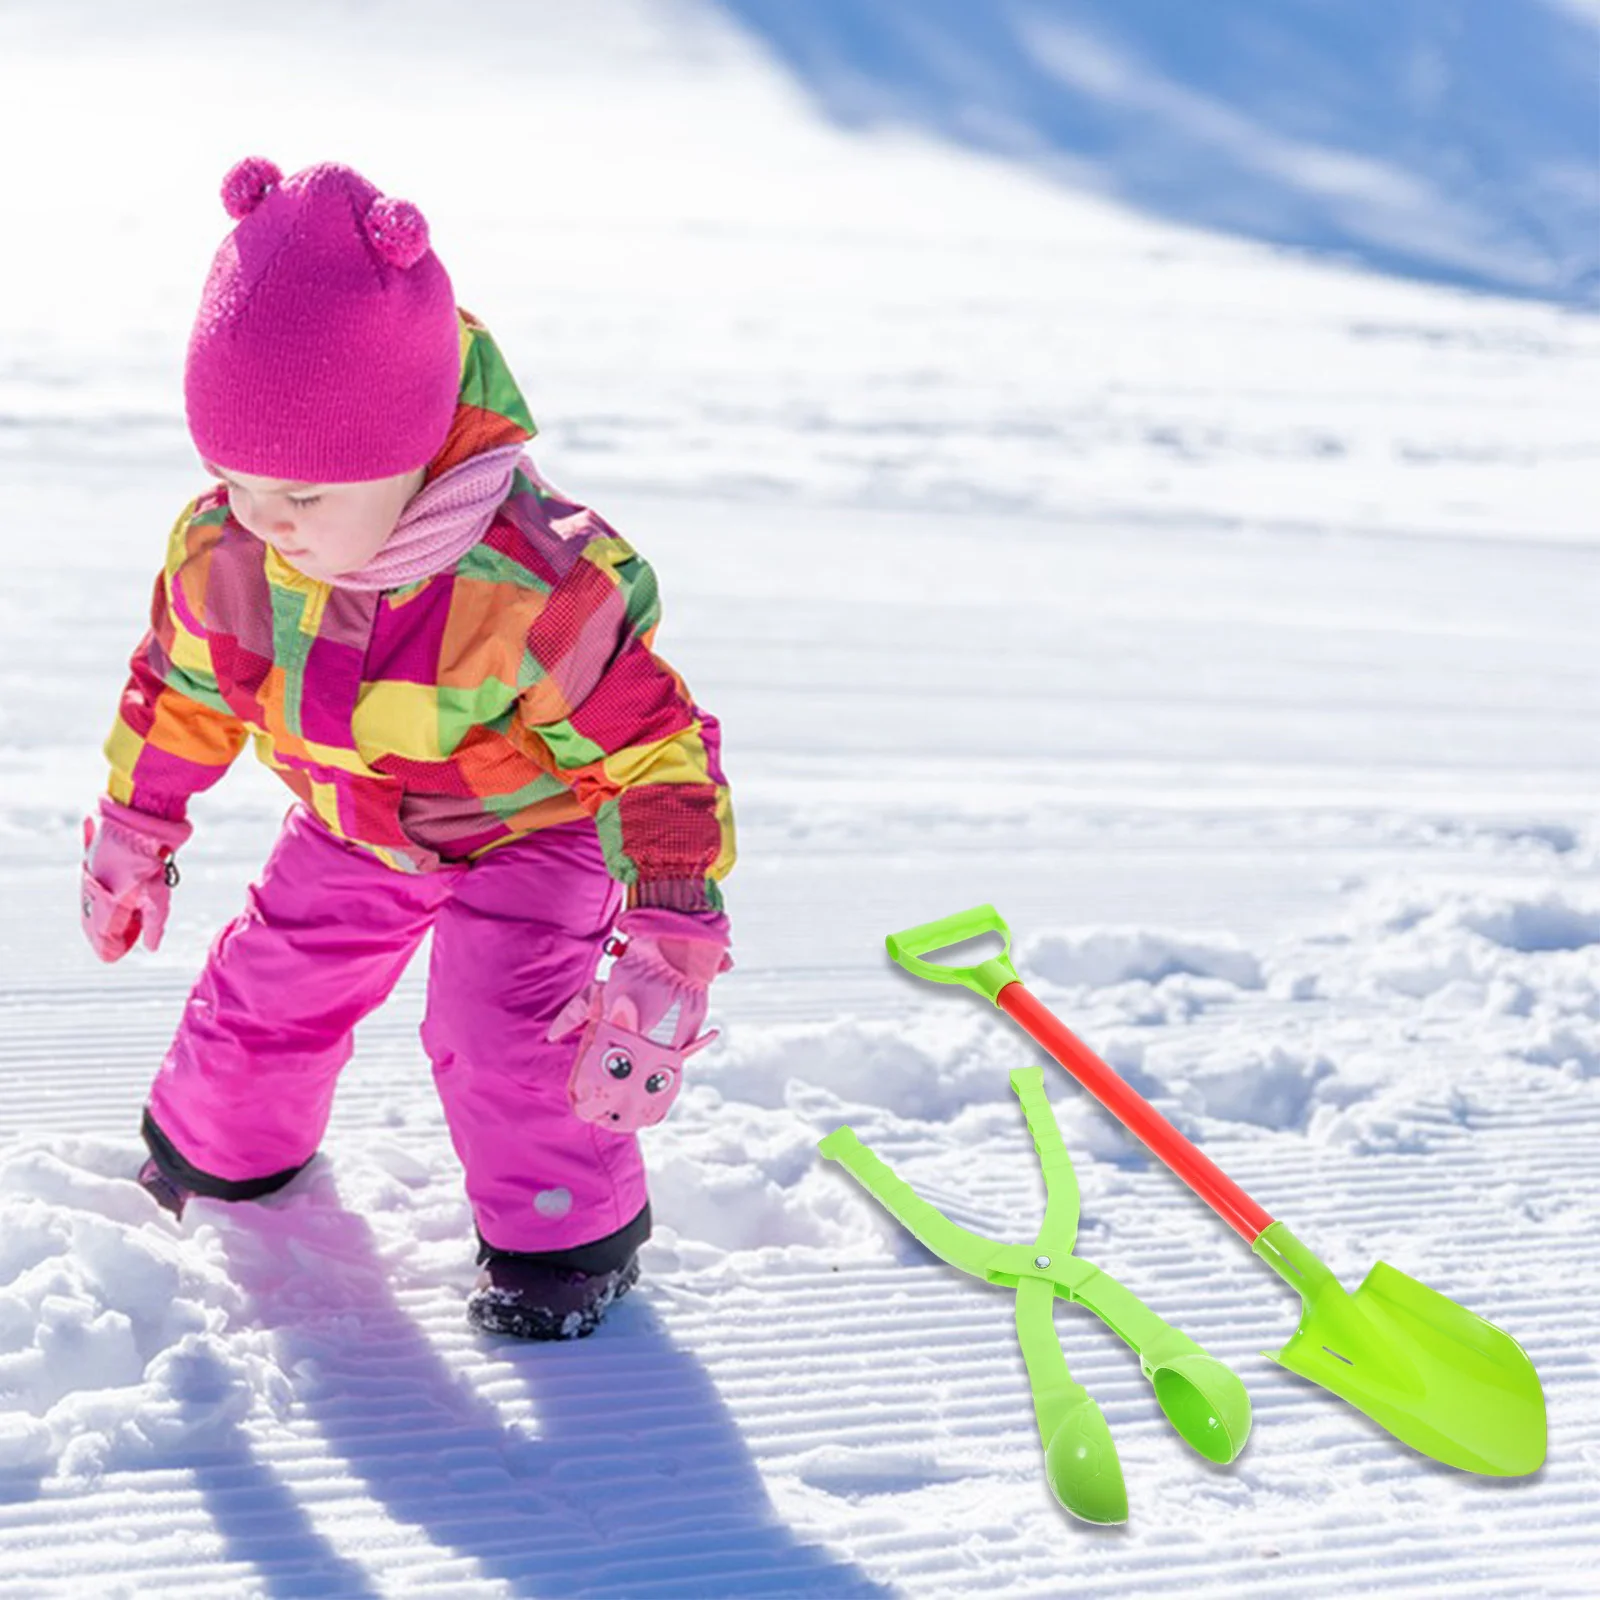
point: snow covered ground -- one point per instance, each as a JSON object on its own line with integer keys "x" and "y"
{"x": 1224, "y": 617}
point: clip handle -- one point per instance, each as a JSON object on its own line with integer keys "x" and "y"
{"x": 946, "y": 1239}
{"x": 1059, "y": 1230}
{"x": 987, "y": 978}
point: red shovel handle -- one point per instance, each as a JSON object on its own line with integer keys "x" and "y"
{"x": 1135, "y": 1113}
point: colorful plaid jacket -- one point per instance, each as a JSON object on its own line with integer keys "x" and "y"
{"x": 516, "y": 690}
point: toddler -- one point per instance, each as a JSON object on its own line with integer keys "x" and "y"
{"x": 450, "y": 665}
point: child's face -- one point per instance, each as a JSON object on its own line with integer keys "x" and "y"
{"x": 323, "y": 529}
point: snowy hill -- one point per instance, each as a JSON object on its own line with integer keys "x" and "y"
{"x": 1224, "y": 617}
{"x": 1453, "y": 139}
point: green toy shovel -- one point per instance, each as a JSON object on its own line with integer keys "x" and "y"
{"x": 1202, "y": 1399}
{"x": 1435, "y": 1375}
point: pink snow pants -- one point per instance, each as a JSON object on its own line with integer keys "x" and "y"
{"x": 244, "y": 1093}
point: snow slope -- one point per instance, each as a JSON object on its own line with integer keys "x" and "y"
{"x": 1224, "y": 618}
{"x": 1400, "y": 133}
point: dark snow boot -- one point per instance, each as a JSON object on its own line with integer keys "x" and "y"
{"x": 168, "y": 1195}
{"x": 556, "y": 1294}
{"x": 533, "y": 1300}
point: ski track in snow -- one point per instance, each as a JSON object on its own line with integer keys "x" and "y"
{"x": 1224, "y": 618}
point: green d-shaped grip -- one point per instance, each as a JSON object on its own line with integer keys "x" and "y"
{"x": 987, "y": 978}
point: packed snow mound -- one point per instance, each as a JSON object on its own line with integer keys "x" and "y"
{"x": 1572, "y": 1047}
{"x": 1431, "y": 983}
{"x": 115, "y": 1341}
{"x": 1549, "y": 923}
{"x": 1273, "y": 1087}
{"x": 929, "y": 1065}
{"x": 1101, "y": 957}
{"x": 1516, "y": 954}
{"x": 733, "y": 1176}
{"x": 1233, "y": 1077}
{"x": 1530, "y": 924}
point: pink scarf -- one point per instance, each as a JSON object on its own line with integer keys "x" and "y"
{"x": 441, "y": 522}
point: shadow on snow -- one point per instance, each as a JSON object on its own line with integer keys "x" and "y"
{"x": 631, "y": 1478}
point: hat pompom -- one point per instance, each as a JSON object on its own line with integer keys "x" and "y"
{"x": 397, "y": 231}
{"x": 247, "y": 183}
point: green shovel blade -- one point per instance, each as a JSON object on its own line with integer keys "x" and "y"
{"x": 1435, "y": 1375}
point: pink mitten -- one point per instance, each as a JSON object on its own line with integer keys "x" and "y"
{"x": 624, "y": 1078}
{"x": 128, "y": 874}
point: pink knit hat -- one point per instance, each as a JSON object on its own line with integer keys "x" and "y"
{"x": 327, "y": 348}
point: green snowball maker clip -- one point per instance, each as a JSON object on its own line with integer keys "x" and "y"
{"x": 1436, "y": 1375}
{"x": 1202, "y": 1399}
